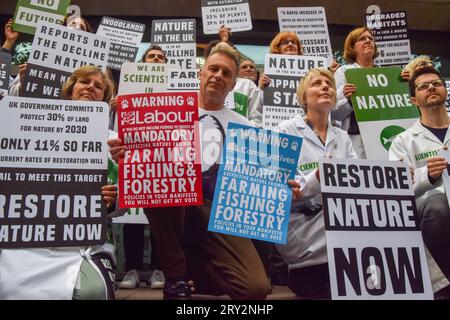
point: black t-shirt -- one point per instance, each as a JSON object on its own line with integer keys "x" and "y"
{"x": 438, "y": 132}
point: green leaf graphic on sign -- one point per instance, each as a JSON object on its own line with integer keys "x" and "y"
{"x": 388, "y": 135}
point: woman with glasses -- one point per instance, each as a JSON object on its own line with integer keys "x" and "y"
{"x": 64, "y": 273}
{"x": 360, "y": 51}
{"x": 285, "y": 42}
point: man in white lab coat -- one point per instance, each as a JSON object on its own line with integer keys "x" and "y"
{"x": 419, "y": 146}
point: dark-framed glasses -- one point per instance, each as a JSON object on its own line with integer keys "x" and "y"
{"x": 287, "y": 42}
{"x": 425, "y": 85}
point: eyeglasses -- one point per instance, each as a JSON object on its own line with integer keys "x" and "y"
{"x": 287, "y": 42}
{"x": 155, "y": 55}
{"x": 365, "y": 38}
{"x": 425, "y": 85}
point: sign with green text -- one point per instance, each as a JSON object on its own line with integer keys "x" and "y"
{"x": 382, "y": 107}
{"x": 29, "y": 12}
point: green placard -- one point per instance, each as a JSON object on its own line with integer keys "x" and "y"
{"x": 381, "y": 94}
{"x": 29, "y": 12}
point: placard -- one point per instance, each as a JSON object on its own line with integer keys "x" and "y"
{"x": 310, "y": 24}
{"x": 252, "y": 198}
{"x": 374, "y": 243}
{"x": 382, "y": 107}
{"x": 280, "y": 97}
{"x": 53, "y": 159}
{"x": 56, "y": 52}
{"x": 30, "y": 12}
{"x": 178, "y": 40}
{"x": 234, "y": 14}
{"x": 162, "y": 166}
{"x": 125, "y": 37}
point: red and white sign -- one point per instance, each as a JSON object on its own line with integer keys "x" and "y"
{"x": 162, "y": 163}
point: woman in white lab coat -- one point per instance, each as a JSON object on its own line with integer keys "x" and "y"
{"x": 69, "y": 272}
{"x": 305, "y": 251}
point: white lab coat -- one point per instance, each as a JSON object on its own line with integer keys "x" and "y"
{"x": 306, "y": 243}
{"x": 44, "y": 273}
{"x": 416, "y": 145}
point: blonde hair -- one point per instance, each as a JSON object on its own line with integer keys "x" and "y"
{"x": 82, "y": 73}
{"x": 225, "y": 49}
{"x": 283, "y": 35}
{"x": 414, "y": 63}
{"x": 304, "y": 83}
{"x": 350, "y": 41}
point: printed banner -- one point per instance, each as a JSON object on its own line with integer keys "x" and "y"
{"x": 183, "y": 80}
{"x": 162, "y": 166}
{"x": 234, "y": 14}
{"x": 252, "y": 198}
{"x": 178, "y": 40}
{"x": 280, "y": 97}
{"x": 53, "y": 158}
{"x": 382, "y": 107}
{"x": 30, "y": 12}
{"x": 310, "y": 24}
{"x": 143, "y": 78}
{"x": 125, "y": 37}
{"x": 5, "y": 71}
{"x": 374, "y": 243}
{"x": 390, "y": 30}
{"x": 56, "y": 52}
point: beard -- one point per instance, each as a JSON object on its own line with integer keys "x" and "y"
{"x": 437, "y": 102}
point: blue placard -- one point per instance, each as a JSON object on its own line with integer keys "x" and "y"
{"x": 252, "y": 198}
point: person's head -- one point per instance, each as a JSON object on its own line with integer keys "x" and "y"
{"x": 317, "y": 90}
{"x": 78, "y": 23}
{"x": 247, "y": 70}
{"x": 218, "y": 76}
{"x": 286, "y": 42}
{"x": 88, "y": 83}
{"x": 427, "y": 88}
{"x": 418, "y": 63}
{"x": 360, "y": 43}
{"x": 154, "y": 54}
{"x": 214, "y": 43}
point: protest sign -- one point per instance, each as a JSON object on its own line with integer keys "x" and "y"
{"x": 162, "y": 165}
{"x": 280, "y": 97}
{"x": 183, "y": 80}
{"x": 310, "y": 24}
{"x": 5, "y": 70}
{"x": 53, "y": 157}
{"x": 382, "y": 107}
{"x": 30, "y": 12}
{"x": 252, "y": 198}
{"x": 374, "y": 243}
{"x": 178, "y": 40}
{"x": 56, "y": 52}
{"x": 390, "y": 30}
{"x": 143, "y": 78}
{"x": 124, "y": 36}
{"x": 234, "y": 14}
